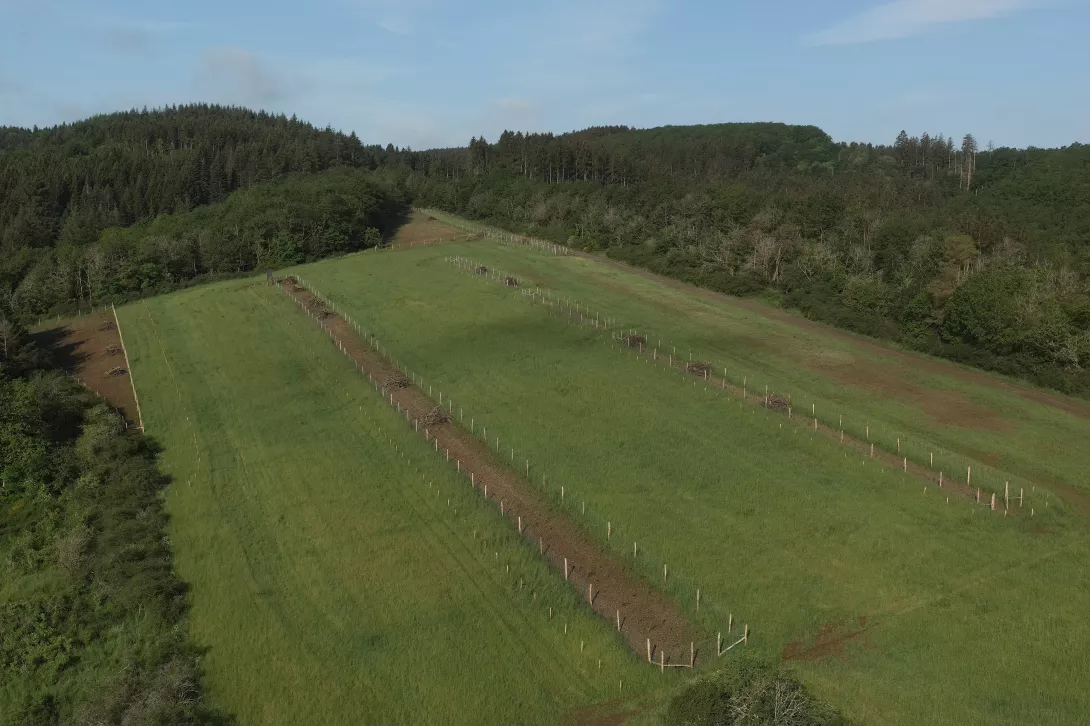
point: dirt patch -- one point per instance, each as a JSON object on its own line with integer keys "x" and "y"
{"x": 510, "y": 282}
{"x": 949, "y": 408}
{"x": 89, "y": 349}
{"x": 423, "y": 229}
{"x": 646, "y": 613}
{"x": 634, "y": 341}
{"x": 829, "y": 642}
{"x": 912, "y": 361}
{"x": 481, "y": 270}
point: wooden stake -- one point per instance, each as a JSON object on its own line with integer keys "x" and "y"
{"x": 719, "y": 644}
{"x": 692, "y": 654}
{"x": 565, "y": 569}
{"x": 698, "y": 599}
{"x": 648, "y": 650}
{"x": 662, "y": 661}
{"x": 664, "y": 574}
{"x": 618, "y": 621}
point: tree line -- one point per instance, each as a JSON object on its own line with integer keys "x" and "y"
{"x": 980, "y": 256}
{"x": 92, "y": 622}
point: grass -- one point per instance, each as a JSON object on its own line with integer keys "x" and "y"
{"x": 972, "y": 618}
{"x": 340, "y": 572}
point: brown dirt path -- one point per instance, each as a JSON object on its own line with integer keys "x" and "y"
{"x": 645, "y": 612}
{"x": 914, "y": 360}
{"x": 82, "y": 348}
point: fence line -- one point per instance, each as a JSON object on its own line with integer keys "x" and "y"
{"x": 479, "y": 485}
{"x": 128, "y": 367}
{"x": 772, "y": 400}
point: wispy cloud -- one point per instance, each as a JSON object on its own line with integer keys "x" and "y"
{"x": 904, "y": 18}
{"x": 235, "y": 75}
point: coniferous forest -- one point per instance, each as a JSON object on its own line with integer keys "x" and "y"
{"x": 980, "y": 255}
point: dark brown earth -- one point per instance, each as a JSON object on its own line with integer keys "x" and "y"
{"x": 646, "y": 613}
{"x": 84, "y": 348}
{"x": 831, "y": 641}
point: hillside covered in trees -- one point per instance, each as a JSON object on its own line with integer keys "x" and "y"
{"x": 229, "y": 190}
{"x": 982, "y": 256}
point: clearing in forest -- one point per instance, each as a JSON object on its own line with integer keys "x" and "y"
{"x": 89, "y": 348}
{"x": 422, "y": 229}
{"x": 887, "y": 599}
{"x": 340, "y": 571}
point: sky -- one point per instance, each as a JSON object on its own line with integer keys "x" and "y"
{"x": 433, "y": 73}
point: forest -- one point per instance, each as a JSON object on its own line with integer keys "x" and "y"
{"x": 92, "y": 613}
{"x": 140, "y": 202}
{"x": 980, "y": 256}
{"x": 977, "y": 255}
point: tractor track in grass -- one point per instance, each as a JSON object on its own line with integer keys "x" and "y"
{"x": 646, "y": 614}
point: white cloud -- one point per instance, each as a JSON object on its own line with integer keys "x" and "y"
{"x": 903, "y": 18}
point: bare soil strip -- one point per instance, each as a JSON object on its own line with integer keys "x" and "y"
{"x": 596, "y": 574}
{"x": 89, "y": 348}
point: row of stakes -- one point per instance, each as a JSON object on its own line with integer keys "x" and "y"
{"x": 568, "y": 568}
{"x": 572, "y": 308}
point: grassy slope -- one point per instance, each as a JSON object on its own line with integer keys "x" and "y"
{"x": 331, "y": 580}
{"x": 974, "y": 618}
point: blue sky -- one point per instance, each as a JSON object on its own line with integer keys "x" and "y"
{"x": 431, "y": 73}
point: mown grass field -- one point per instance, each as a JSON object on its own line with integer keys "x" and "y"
{"x": 340, "y": 572}
{"x": 970, "y": 617}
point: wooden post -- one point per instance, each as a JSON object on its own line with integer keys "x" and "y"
{"x": 692, "y": 654}
{"x": 1021, "y": 491}
{"x": 618, "y": 621}
{"x": 745, "y": 636}
{"x": 868, "y": 431}
{"x": 719, "y": 644}
{"x": 633, "y": 549}
{"x": 1007, "y": 495}
{"x": 648, "y": 650}
{"x": 969, "y": 476}
{"x": 565, "y": 569}
{"x": 698, "y": 599}
{"x": 520, "y": 524}
{"x": 540, "y": 546}
{"x": 993, "y": 501}
{"x": 940, "y": 479}
{"x": 932, "y": 459}
{"x": 590, "y": 592}
{"x": 662, "y": 661}
{"x": 664, "y": 574}
{"x": 872, "y": 451}
{"x": 730, "y": 622}
{"x": 906, "y": 464}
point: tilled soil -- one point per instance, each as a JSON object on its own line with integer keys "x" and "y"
{"x": 645, "y": 613}
{"x": 83, "y": 347}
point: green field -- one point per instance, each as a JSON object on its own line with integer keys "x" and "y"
{"x": 340, "y": 572}
{"x": 971, "y": 617}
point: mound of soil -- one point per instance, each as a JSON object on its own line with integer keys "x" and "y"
{"x": 114, "y": 349}
{"x": 698, "y": 369}
{"x": 108, "y": 325}
{"x": 776, "y": 402}
{"x": 481, "y": 270}
{"x": 291, "y": 280}
{"x": 436, "y": 416}
{"x": 634, "y": 341}
{"x": 119, "y": 371}
{"x": 510, "y": 282}
{"x": 395, "y": 382}
{"x": 324, "y": 314}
